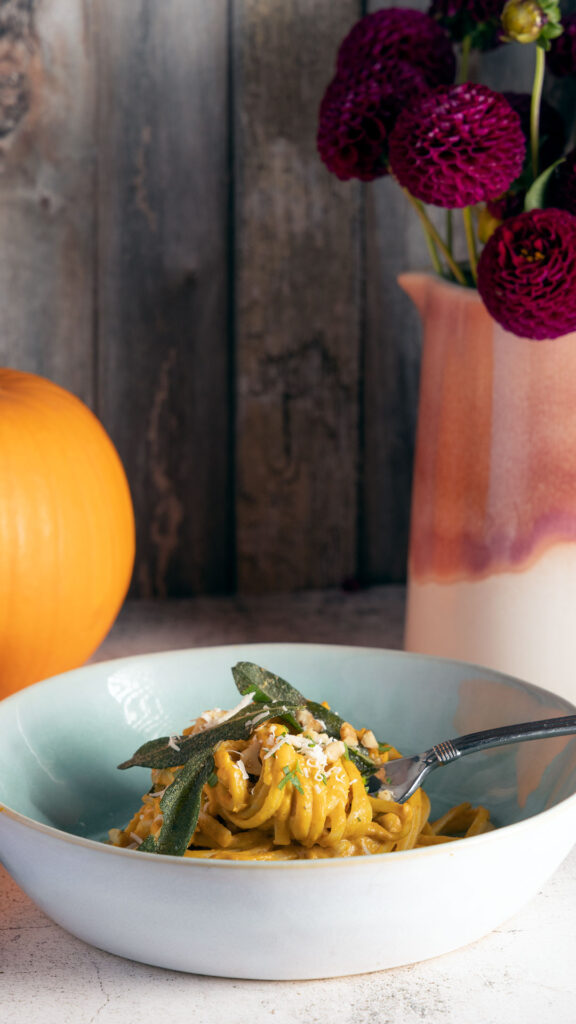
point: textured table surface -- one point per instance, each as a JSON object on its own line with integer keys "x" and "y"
{"x": 522, "y": 973}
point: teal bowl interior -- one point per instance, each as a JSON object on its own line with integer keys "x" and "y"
{"x": 61, "y": 740}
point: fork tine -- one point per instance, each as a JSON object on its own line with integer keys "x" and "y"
{"x": 401, "y": 777}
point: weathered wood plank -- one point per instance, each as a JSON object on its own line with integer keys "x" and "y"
{"x": 298, "y": 309}
{"x": 163, "y": 281}
{"x": 117, "y": 148}
{"x": 47, "y": 190}
{"x": 391, "y": 366}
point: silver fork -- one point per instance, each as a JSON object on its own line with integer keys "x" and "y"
{"x": 402, "y": 777}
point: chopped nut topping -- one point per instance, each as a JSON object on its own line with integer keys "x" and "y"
{"x": 368, "y": 739}
{"x": 334, "y": 750}
{"x": 306, "y": 719}
{"x": 348, "y": 734}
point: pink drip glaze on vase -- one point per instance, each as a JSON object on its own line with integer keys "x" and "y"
{"x": 495, "y": 468}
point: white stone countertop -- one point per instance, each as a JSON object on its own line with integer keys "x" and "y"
{"x": 522, "y": 973}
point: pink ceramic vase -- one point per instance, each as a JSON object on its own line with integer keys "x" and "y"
{"x": 492, "y": 563}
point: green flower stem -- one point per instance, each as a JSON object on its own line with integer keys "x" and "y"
{"x": 470, "y": 242}
{"x": 449, "y": 229}
{"x": 535, "y": 106}
{"x": 465, "y": 59}
{"x": 433, "y": 253}
{"x": 432, "y": 233}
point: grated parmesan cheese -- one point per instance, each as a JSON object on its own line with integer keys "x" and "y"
{"x": 223, "y": 716}
{"x": 212, "y": 717}
{"x": 257, "y": 718}
{"x": 317, "y": 751}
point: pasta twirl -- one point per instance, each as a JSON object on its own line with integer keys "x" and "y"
{"x": 289, "y": 790}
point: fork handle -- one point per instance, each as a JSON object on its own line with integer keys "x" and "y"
{"x": 449, "y": 750}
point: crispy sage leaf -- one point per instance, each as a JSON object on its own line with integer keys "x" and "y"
{"x": 160, "y": 754}
{"x": 364, "y": 763}
{"x": 250, "y": 678}
{"x": 180, "y": 807}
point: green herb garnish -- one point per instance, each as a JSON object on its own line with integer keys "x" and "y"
{"x": 160, "y": 754}
{"x": 272, "y": 698}
{"x": 290, "y": 775}
{"x": 265, "y": 685}
{"x": 180, "y": 807}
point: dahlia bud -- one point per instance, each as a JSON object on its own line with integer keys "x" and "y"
{"x": 523, "y": 20}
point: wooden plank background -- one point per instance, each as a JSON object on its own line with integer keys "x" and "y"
{"x": 173, "y": 251}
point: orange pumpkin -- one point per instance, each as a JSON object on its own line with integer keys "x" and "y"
{"x": 66, "y": 531}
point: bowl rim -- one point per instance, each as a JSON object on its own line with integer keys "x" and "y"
{"x": 361, "y": 649}
{"x": 325, "y": 863}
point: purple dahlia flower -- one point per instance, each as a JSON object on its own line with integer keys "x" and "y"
{"x": 457, "y": 146}
{"x": 478, "y": 19}
{"x": 357, "y": 115}
{"x": 397, "y": 34}
{"x": 561, "y": 57}
{"x": 527, "y": 274}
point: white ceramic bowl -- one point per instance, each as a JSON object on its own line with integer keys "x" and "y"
{"x": 60, "y": 792}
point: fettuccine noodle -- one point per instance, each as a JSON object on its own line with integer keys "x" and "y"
{"x": 287, "y": 796}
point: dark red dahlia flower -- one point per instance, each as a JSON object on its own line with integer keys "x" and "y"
{"x": 477, "y": 19}
{"x": 561, "y": 57}
{"x": 527, "y": 274}
{"x": 562, "y": 188}
{"x": 457, "y": 146}
{"x": 397, "y": 34}
{"x": 357, "y": 115}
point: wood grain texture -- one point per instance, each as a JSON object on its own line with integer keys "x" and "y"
{"x": 162, "y": 333}
{"x": 174, "y": 252}
{"x": 47, "y": 190}
{"x": 298, "y": 312}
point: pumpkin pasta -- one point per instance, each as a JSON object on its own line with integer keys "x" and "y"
{"x": 291, "y": 790}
